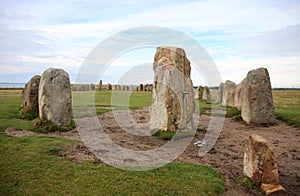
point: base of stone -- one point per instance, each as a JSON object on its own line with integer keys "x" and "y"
{"x": 272, "y": 189}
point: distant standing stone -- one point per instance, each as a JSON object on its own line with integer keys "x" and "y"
{"x": 239, "y": 95}
{"x": 141, "y": 87}
{"x": 100, "y": 86}
{"x": 109, "y": 86}
{"x": 30, "y": 96}
{"x": 257, "y": 105}
{"x": 228, "y": 93}
{"x": 173, "y": 95}
{"x": 220, "y": 93}
{"x": 55, "y": 97}
{"x": 206, "y": 94}
{"x": 200, "y": 92}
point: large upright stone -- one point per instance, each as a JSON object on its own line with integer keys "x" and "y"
{"x": 55, "y": 97}
{"x": 206, "y": 94}
{"x": 173, "y": 95}
{"x": 257, "y": 105}
{"x": 239, "y": 95}
{"x": 220, "y": 93}
{"x": 200, "y": 92}
{"x": 30, "y": 96}
{"x": 228, "y": 93}
{"x": 260, "y": 164}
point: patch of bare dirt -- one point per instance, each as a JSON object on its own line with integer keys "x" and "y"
{"x": 226, "y": 156}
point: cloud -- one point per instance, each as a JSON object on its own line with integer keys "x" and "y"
{"x": 282, "y": 42}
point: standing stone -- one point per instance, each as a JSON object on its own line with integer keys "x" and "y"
{"x": 151, "y": 87}
{"x": 200, "y": 92}
{"x": 257, "y": 105}
{"x": 173, "y": 95}
{"x": 141, "y": 87}
{"x": 30, "y": 96}
{"x": 239, "y": 94}
{"x": 228, "y": 93}
{"x": 260, "y": 163}
{"x": 206, "y": 94}
{"x": 100, "y": 87}
{"x": 55, "y": 97}
{"x": 109, "y": 86}
{"x": 220, "y": 93}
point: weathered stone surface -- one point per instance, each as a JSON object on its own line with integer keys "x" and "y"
{"x": 100, "y": 87}
{"x": 30, "y": 95}
{"x": 260, "y": 164}
{"x": 200, "y": 92}
{"x": 55, "y": 97}
{"x": 206, "y": 94}
{"x": 220, "y": 93}
{"x": 228, "y": 93}
{"x": 173, "y": 95}
{"x": 239, "y": 94}
{"x": 257, "y": 105}
{"x": 272, "y": 189}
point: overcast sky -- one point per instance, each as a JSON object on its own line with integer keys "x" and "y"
{"x": 238, "y": 35}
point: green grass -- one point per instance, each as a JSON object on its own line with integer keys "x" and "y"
{"x": 87, "y": 103}
{"x": 287, "y": 106}
{"x": 29, "y": 166}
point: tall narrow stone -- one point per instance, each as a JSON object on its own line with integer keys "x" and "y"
{"x": 173, "y": 95}
{"x": 100, "y": 85}
{"x": 257, "y": 105}
{"x": 228, "y": 93}
{"x": 30, "y": 96}
{"x": 55, "y": 97}
{"x": 220, "y": 93}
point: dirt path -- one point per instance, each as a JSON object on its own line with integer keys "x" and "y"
{"x": 226, "y": 156}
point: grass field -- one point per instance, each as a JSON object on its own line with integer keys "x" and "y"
{"x": 29, "y": 166}
{"x": 287, "y": 106}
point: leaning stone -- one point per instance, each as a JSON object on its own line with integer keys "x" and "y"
{"x": 55, "y": 97}
{"x": 173, "y": 95}
{"x": 30, "y": 96}
{"x": 257, "y": 105}
{"x": 260, "y": 163}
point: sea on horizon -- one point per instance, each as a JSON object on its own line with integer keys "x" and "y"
{"x": 11, "y": 85}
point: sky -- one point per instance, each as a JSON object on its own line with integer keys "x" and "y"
{"x": 237, "y": 35}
